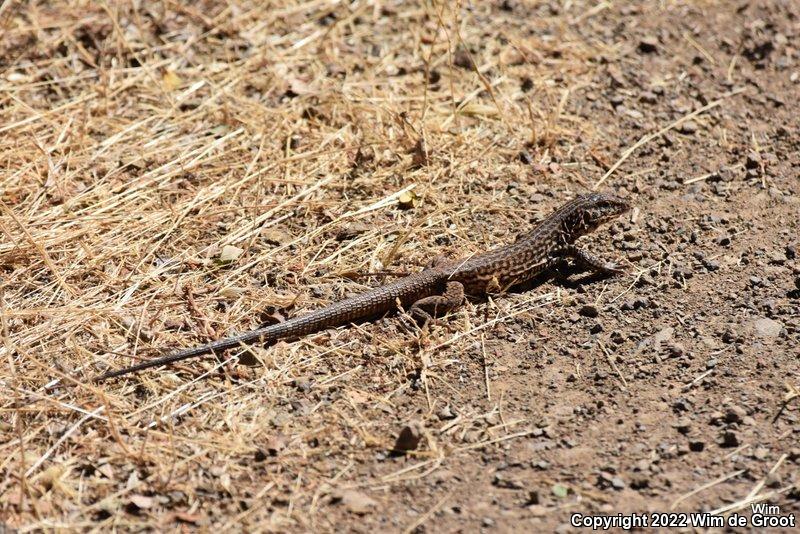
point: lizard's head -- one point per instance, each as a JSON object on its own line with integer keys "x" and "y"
{"x": 592, "y": 210}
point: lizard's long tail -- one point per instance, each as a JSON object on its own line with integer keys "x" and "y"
{"x": 364, "y": 306}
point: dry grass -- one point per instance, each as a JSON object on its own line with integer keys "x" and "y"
{"x": 137, "y": 142}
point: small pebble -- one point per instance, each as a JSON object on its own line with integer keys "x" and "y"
{"x": 688, "y": 127}
{"x": 728, "y": 439}
{"x": 676, "y": 350}
{"x": 648, "y": 97}
{"x": 355, "y": 501}
{"x": 753, "y": 160}
{"x": 767, "y": 328}
{"x": 735, "y": 414}
{"x": 589, "y": 310}
{"x": 446, "y": 413}
{"x": 683, "y": 425}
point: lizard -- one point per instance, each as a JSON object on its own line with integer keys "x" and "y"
{"x": 443, "y": 285}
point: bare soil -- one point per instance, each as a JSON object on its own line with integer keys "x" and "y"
{"x": 174, "y": 174}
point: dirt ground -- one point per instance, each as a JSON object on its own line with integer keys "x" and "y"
{"x": 174, "y": 174}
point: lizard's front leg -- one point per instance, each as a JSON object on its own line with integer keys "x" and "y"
{"x": 589, "y": 261}
{"x": 426, "y": 308}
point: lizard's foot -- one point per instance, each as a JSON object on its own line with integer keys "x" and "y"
{"x": 427, "y": 308}
{"x": 590, "y": 262}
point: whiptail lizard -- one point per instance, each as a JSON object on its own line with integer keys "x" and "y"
{"x": 442, "y": 286}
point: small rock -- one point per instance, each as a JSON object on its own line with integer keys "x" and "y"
{"x": 355, "y": 501}
{"x": 683, "y": 425}
{"x": 446, "y": 413}
{"x": 732, "y": 334}
{"x": 682, "y": 272}
{"x": 735, "y": 414}
{"x": 409, "y": 437}
{"x": 688, "y": 128}
{"x": 492, "y": 419}
{"x": 230, "y": 253}
{"x": 676, "y": 350}
{"x": 682, "y": 405}
{"x": 506, "y": 483}
{"x": 716, "y": 417}
{"x": 537, "y": 510}
{"x": 632, "y": 113}
{"x": 728, "y": 439}
{"x": 572, "y": 377}
{"x": 542, "y": 465}
{"x": 665, "y": 334}
{"x": 273, "y": 236}
{"x": 753, "y": 160}
{"x": 710, "y": 364}
{"x": 727, "y": 173}
{"x": 711, "y": 265}
{"x": 617, "y": 483}
{"x": 648, "y": 97}
{"x": 767, "y": 328}
{"x": 141, "y": 502}
{"x": 589, "y": 310}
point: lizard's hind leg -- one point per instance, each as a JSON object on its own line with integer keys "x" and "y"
{"x": 427, "y": 308}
